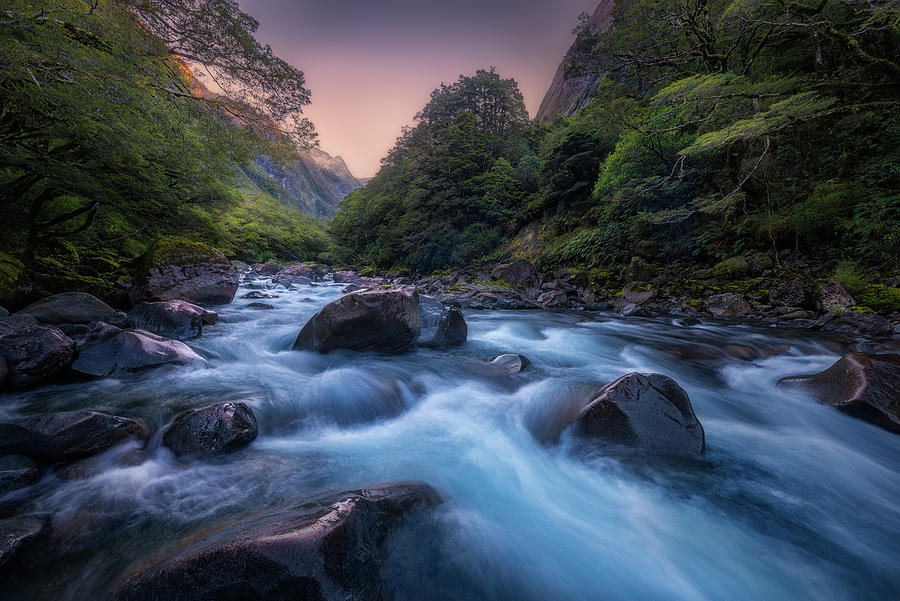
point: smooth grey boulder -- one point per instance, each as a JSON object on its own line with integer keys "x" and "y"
{"x": 108, "y": 349}
{"x": 33, "y": 353}
{"x": 650, "y": 411}
{"x": 67, "y": 435}
{"x": 72, "y": 308}
{"x": 384, "y": 319}
{"x": 323, "y": 549}
{"x": 182, "y": 270}
{"x": 173, "y": 319}
{"x": 16, "y": 534}
{"x": 346, "y": 277}
{"x": 510, "y": 363}
{"x": 441, "y": 326}
{"x": 866, "y": 386}
{"x": 212, "y": 429}
{"x": 727, "y": 305}
{"x": 17, "y": 471}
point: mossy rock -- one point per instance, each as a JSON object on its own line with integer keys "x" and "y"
{"x": 880, "y": 298}
{"x": 640, "y": 270}
{"x": 732, "y": 269}
{"x": 760, "y": 262}
{"x": 178, "y": 251}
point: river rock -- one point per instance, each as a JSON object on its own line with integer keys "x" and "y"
{"x": 182, "y": 270}
{"x": 727, "y": 305}
{"x": 322, "y": 549}
{"x": 266, "y": 269}
{"x": 520, "y": 274}
{"x": 17, "y": 471}
{"x": 67, "y": 435}
{"x": 108, "y": 349}
{"x": 441, "y": 325}
{"x": 650, "y": 411}
{"x": 789, "y": 294}
{"x": 16, "y": 534}
{"x": 255, "y": 294}
{"x": 553, "y": 298}
{"x": 854, "y": 323}
{"x": 385, "y": 319}
{"x": 33, "y": 353}
{"x": 3, "y": 370}
{"x": 261, "y": 306}
{"x": 212, "y": 429}
{"x": 862, "y": 385}
{"x": 73, "y": 308}
{"x": 346, "y": 277}
{"x": 834, "y": 297}
{"x": 302, "y": 270}
{"x": 3, "y": 313}
{"x": 510, "y": 363}
{"x": 174, "y": 319}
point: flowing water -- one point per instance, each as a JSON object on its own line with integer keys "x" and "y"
{"x": 793, "y": 501}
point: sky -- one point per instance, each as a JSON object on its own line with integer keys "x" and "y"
{"x": 371, "y": 65}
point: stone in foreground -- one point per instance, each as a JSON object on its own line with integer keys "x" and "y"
{"x": 862, "y": 385}
{"x": 33, "y": 353}
{"x": 17, "y": 471}
{"x": 17, "y": 533}
{"x": 107, "y": 349}
{"x": 174, "y": 319}
{"x": 442, "y": 326}
{"x": 212, "y": 429}
{"x": 331, "y": 548}
{"x": 71, "y": 308}
{"x": 650, "y": 411}
{"x": 510, "y": 363}
{"x": 384, "y": 319}
{"x": 67, "y": 435}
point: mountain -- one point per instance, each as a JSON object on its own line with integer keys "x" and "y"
{"x": 575, "y": 82}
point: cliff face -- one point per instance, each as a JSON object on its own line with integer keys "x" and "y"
{"x": 568, "y": 93}
{"x": 316, "y": 184}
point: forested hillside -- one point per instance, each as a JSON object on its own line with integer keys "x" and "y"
{"x": 719, "y": 131}
{"x": 104, "y": 148}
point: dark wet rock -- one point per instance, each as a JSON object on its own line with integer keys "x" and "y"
{"x": 639, "y": 270}
{"x": 834, "y": 297}
{"x": 33, "y": 353}
{"x": 688, "y": 322}
{"x": 18, "y": 533}
{"x": 854, "y": 323}
{"x": 260, "y": 286}
{"x": 553, "y": 298}
{"x": 266, "y": 269}
{"x": 510, "y": 363}
{"x": 212, "y": 429}
{"x": 100, "y": 463}
{"x": 108, "y": 349}
{"x": 727, "y": 305}
{"x": 72, "y": 308}
{"x": 181, "y": 270}
{"x": 17, "y": 471}
{"x": 174, "y": 319}
{"x": 352, "y": 288}
{"x": 301, "y": 281}
{"x": 789, "y": 294}
{"x": 520, "y": 274}
{"x": 633, "y": 310}
{"x": 259, "y": 294}
{"x": 385, "y": 319}
{"x": 650, "y": 411}
{"x": 302, "y": 270}
{"x": 67, "y": 435}
{"x": 441, "y": 326}
{"x": 4, "y": 370}
{"x": 328, "y": 548}
{"x": 240, "y": 266}
{"x": 261, "y": 306}
{"x": 863, "y": 385}
{"x": 3, "y": 313}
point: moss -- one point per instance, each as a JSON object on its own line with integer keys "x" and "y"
{"x": 851, "y": 276}
{"x": 10, "y": 272}
{"x": 883, "y": 299}
{"x": 732, "y": 269}
{"x": 760, "y": 262}
{"x": 178, "y": 251}
{"x": 862, "y": 309}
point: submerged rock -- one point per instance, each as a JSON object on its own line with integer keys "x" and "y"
{"x": 261, "y": 306}
{"x": 328, "y": 548}
{"x": 259, "y": 294}
{"x": 384, "y": 320}
{"x": 108, "y": 349}
{"x": 727, "y": 305}
{"x": 67, "y": 435}
{"x": 32, "y": 353}
{"x": 859, "y": 384}
{"x": 510, "y": 363}
{"x": 17, "y": 471}
{"x": 212, "y": 429}
{"x": 16, "y": 534}
{"x": 174, "y": 319}
{"x": 441, "y": 325}
{"x": 71, "y": 308}
{"x": 178, "y": 269}
{"x": 650, "y": 411}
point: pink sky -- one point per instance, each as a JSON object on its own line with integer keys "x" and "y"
{"x": 372, "y": 65}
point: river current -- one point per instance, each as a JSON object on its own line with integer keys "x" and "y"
{"x": 793, "y": 501}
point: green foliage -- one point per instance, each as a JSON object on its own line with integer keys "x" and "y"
{"x": 880, "y": 298}
{"x": 731, "y": 268}
{"x": 851, "y": 276}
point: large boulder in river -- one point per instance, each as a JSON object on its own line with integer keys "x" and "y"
{"x": 212, "y": 429}
{"x": 67, "y": 435}
{"x": 173, "y": 319}
{"x": 384, "y": 319}
{"x": 346, "y": 277}
{"x": 176, "y": 269}
{"x": 328, "y": 548}
{"x": 33, "y": 353}
{"x": 441, "y": 325}
{"x": 520, "y": 274}
{"x": 17, "y": 471}
{"x": 301, "y": 271}
{"x": 107, "y": 349}
{"x": 727, "y": 305}
{"x": 71, "y": 308}
{"x": 650, "y": 411}
{"x": 510, "y": 363}
{"x": 862, "y": 385}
